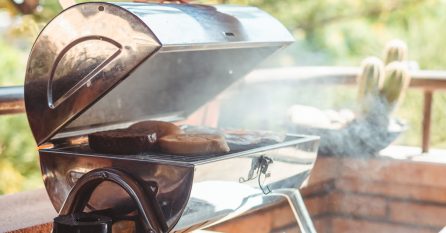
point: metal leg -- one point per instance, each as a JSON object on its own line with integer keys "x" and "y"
{"x": 297, "y": 205}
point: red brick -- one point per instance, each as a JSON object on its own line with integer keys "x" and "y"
{"x": 357, "y": 205}
{"x": 421, "y": 214}
{"x": 324, "y": 169}
{"x": 317, "y": 205}
{"x": 205, "y": 231}
{"x": 380, "y": 169}
{"x": 44, "y": 228}
{"x": 346, "y": 225}
{"x": 322, "y": 225}
{"x": 395, "y": 171}
{"x": 288, "y": 229}
{"x": 403, "y": 191}
{"x": 318, "y": 188}
{"x": 259, "y": 221}
{"x": 282, "y": 216}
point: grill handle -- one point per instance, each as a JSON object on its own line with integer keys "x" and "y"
{"x": 148, "y": 208}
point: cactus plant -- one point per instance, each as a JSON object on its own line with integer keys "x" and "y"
{"x": 396, "y": 50}
{"x": 382, "y": 88}
{"x": 396, "y": 82}
{"x": 369, "y": 81}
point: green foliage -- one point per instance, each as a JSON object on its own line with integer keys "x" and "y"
{"x": 19, "y": 168}
{"x": 12, "y": 63}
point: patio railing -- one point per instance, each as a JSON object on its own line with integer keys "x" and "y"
{"x": 11, "y": 98}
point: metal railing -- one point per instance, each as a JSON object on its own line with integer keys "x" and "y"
{"x": 11, "y": 98}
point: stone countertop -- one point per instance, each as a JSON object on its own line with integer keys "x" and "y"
{"x": 26, "y": 212}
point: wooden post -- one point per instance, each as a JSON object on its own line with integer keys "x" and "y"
{"x": 427, "y": 112}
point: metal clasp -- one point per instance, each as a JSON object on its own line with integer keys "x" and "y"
{"x": 259, "y": 169}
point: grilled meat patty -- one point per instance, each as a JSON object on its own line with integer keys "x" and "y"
{"x": 193, "y": 144}
{"x": 123, "y": 141}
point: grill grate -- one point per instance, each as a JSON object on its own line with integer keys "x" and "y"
{"x": 178, "y": 158}
{"x": 84, "y": 149}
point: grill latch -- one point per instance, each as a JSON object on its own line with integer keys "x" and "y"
{"x": 259, "y": 170}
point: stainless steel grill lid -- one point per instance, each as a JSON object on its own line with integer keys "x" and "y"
{"x": 104, "y": 65}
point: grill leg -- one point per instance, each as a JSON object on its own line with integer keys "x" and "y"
{"x": 297, "y": 205}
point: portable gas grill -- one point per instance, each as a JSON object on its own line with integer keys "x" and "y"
{"x": 102, "y": 66}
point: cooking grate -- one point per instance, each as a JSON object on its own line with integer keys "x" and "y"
{"x": 85, "y": 150}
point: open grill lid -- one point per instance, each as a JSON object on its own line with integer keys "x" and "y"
{"x": 104, "y": 65}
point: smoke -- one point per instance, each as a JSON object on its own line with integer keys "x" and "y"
{"x": 266, "y": 105}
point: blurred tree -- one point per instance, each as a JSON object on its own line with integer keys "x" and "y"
{"x": 26, "y": 6}
{"x": 9, "y": 6}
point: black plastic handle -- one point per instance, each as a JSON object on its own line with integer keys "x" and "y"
{"x": 144, "y": 198}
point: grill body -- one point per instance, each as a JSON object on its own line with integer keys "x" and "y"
{"x": 102, "y": 66}
{"x": 192, "y": 192}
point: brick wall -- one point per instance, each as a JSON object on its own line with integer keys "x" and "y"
{"x": 342, "y": 196}
{"x": 367, "y": 196}
{"x": 349, "y": 207}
